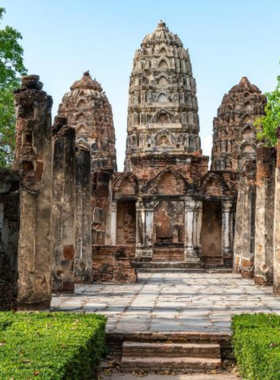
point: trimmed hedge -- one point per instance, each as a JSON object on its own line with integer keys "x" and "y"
{"x": 50, "y": 345}
{"x": 256, "y": 344}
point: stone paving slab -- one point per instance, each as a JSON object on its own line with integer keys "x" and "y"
{"x": 167, "y": 302}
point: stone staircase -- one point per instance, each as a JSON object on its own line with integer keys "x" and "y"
{"x": 170, "y": 357}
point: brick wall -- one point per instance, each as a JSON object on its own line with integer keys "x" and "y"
{"x": 113, "y": 264}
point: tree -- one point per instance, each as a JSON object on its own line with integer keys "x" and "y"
{"x": 267, "y": 125}
{"x": 11, "y": 70}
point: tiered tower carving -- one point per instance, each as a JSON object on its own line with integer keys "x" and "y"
{"x": 163, "y": 110}
{"x": 88, "y": 110}
{"x": 234, "y": 135}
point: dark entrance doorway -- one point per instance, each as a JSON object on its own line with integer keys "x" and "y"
{"x": 211, "y": 234}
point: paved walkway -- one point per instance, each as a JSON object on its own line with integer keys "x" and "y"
{"x": 169, "y": 302}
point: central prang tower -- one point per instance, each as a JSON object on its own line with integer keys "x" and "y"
{"x": 162, "y": 111}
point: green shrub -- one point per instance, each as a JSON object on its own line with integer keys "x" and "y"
{"x": 50, "y": 345}
{"x": 256, "y": 344}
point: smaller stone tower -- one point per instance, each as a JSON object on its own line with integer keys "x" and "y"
{"x": 88, "y": 110}
{"x": 234, "y": 134}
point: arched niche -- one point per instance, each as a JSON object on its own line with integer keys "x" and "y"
{"x": 169, "y": 184}
{"x": 162, "y": 98}
{"x": 163, "y": 64}
{"x": 164, "y": 137}
{"x": 248, "y": 133}
{"x": 214, "y": 186}
{"x": 163, "y": 81}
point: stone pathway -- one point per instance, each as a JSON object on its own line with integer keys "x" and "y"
{"x": 172, "y": 302}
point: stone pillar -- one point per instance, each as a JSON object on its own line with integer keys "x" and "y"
{"x": 144, "y": 229}
{"x": 198, "y": 227}
{"x": 9, "y": 229}
{"x": 83, "y": 254}
{"x": 149, "y": 226}
{"x": 264, "y": 216}
{"x": 63, "y": 206}
{"x": 276, "y": 243}
{"x": 227, "y": 225}
{"x": 113, "y": 225}
{"x": 34, "y": 160}
{"x": 190, "y": 221}
{"x": 244, "y": 239}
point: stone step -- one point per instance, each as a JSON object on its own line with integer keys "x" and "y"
{"x": 167, "y": 265}
{"x": 168, "y": 270}
{"x": 174, "y": 364}
{"x": 164, "y": 350}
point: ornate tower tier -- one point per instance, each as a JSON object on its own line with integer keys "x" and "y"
{"x": 162, "y": 110}
{"x": 234, "y": 134}
{"x": 88, "y": 110}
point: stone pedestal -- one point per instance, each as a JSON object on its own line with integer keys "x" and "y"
{"x": 34, "y": 160}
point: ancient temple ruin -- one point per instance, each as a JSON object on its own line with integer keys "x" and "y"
{"x": 68, "y": 216}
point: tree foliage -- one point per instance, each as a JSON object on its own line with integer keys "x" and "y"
{"x": 11, "y": 69}
{"x": 267, "y": 125}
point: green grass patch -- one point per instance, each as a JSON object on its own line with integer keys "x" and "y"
{"x": 50, "y": 345}
{"x": 256, "y": 344}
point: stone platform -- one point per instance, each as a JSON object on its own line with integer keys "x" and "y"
{"x": 172, "y": 302}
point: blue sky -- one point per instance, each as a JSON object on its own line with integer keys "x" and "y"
{"x": 226, "y": 39}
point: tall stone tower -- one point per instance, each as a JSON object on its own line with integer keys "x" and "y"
{"x": 234, "y": 134}
{"x": 163, "y": 112}
{"x": 88, "y": 110}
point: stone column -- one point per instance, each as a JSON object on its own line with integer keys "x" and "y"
{"x": 190, "y": 220}
{"x": 9, "y": 230}
{"x": 198, "y": 227}
{"x": 83, "y": 254}
{"x": 34, "y": 160}
{"x": 149, "y": 227}
{"x": 113, "y": 225}
{"x": 276, "y": 253}
{"x": 264, "y": 216}
{"x": 63, "y": 206}
{"x": 244, "y": 239}
{"x": 144, "y": 229}
{"x": 227, "y": 232}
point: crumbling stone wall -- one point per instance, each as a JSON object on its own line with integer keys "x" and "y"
{"x": 9, "y": 229}
{"x": 34, "y": 161}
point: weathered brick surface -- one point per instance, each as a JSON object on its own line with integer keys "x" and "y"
{"x": 113, "y": 264}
